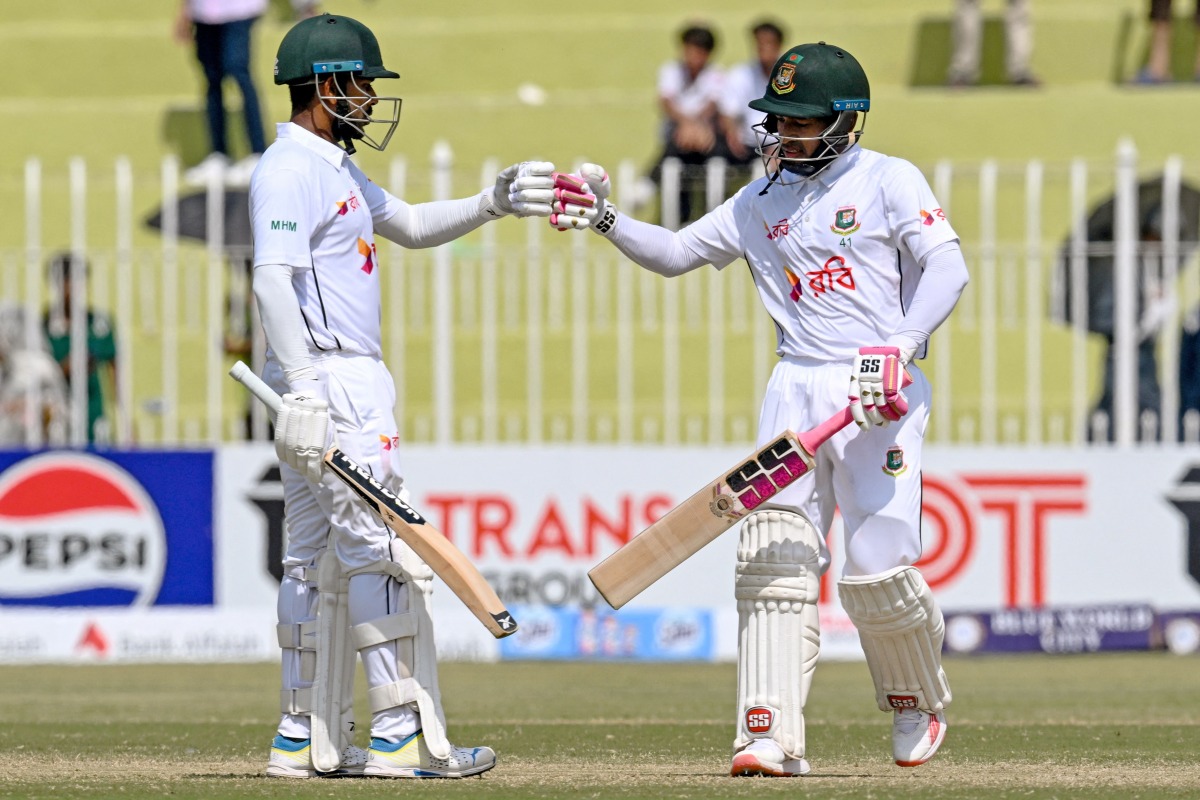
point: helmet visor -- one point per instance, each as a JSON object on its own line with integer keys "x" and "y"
{"x": 356, "y": 107}
{"x": 781, "y": 155}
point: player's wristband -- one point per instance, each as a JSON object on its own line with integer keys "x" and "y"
{"x": 604, "y": 225}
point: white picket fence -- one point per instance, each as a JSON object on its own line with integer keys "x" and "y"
{"x": 519, "y": 333}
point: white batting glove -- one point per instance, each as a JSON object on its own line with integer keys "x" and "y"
{"x": 581, "y": 201}
{"x": 525, "y": 189}
{"x": 875, "y": 383}
{"x": 301, "y": 429}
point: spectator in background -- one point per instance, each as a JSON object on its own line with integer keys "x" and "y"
{"x": 1158, "y": 64}
{"x": 744, "y": 83}
{"x": 1189, "y": 377}
{"x": 303, "y": 9}
{"x": 28, "y": 374}
{"x": 967, "y": 40}
{"x": 689, "y": 90}
{"x": 101, "y": 344}
{"x": 1154, "y": 308}
{"x": 221, "y": 31}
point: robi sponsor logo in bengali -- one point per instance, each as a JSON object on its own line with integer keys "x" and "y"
{"x": 77, "y": 530}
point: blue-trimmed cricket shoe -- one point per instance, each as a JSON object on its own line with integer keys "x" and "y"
{"x": 411, "y": 759}
{"x": 292, "y": 758}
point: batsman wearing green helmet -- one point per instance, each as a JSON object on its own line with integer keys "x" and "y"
{"x": 349, "y": 586}
{"x": 856, "y": 264}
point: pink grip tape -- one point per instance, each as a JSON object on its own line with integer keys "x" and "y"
{"x": 565, "y": 180}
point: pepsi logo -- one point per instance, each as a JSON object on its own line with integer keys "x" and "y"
{"x": 759, "y": 719}
{"x": 77, "y": 530}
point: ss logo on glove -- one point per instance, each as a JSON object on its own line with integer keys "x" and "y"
{"x": 875, "y": 383}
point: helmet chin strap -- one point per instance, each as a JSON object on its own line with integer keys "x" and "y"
{"x": 344, "y": 130}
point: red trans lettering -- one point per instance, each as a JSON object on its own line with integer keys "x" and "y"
{"x": 550, "y": 533}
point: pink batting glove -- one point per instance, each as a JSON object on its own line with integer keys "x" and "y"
{"x": 875, "y": 387}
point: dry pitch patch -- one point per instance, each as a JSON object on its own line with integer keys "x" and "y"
{"x": 615, "y": 775}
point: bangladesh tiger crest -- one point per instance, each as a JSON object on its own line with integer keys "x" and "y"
{"x": 784, "y": 80}
{"x": 893, "y": 462}
{"x": 845, "y": 221}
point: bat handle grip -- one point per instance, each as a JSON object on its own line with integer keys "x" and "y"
{"x": 245, "y": 376}
{"x": 819, "y": 435}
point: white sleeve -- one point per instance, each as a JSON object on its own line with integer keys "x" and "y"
{"x": 731, "y": 101}
{"x": 653, "y": 247}
{"x": 943, "y": 278}
{"x": 282, "y": 321}
{"x": 282, "y": 218}
{"x": 431, "y": 224}
{"x": 670, "y": 80}
{"x": 915, "y": 217}
{"x": 716, "y": 237}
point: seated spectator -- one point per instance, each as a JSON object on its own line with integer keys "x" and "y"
{"x": 689, "y": 90}
{"x": 29, "y": 376}
{"x": 101, "y": 343}
{"x": 1155, "y": 306}
{"x": 1158, "y": 63}
{"x": 746, "y": 82}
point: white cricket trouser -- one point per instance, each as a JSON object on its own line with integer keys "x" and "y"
{"x": 873, "y": 477}
{"x": 361, "y": 398}
{"x": 362, "y": 395}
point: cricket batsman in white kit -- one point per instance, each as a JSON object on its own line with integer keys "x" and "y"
{"x": 857, "y": 265}
{"x": 349, "y": 585}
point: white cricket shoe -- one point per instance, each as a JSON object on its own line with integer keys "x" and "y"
{"x": 293, "y": 759}
{"x": 213, "y": 165}
{"x": 765, "y": 758}
{"x": 916, "y": 736}
{"x": 239, "y": 172}
{"x": 412, "y": 759}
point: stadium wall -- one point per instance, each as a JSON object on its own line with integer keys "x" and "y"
{"x": 172, "y": 556}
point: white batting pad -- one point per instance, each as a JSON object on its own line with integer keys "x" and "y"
{"x": 408, "y": 633}
{"x": 333, "y": 687}
{"x": 778, "y": 579}
{"x": 901, "y": 630}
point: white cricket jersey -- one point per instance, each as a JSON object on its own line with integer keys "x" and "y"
{"x": 743, "y": 83}
{"x": 217, "y": 12}
{"x": 313, "y": 209}
{"x": 836, "y": 258}
{"x": 689, "y": 95}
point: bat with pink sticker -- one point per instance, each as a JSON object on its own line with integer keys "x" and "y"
{"x": 704, "y": 516}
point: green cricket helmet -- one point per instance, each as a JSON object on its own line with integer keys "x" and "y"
{"x": 813, "y": 81}
{"x": 329, "y": 44}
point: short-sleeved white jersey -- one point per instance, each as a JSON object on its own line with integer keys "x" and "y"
{"x": 743, "y": 83}
{"x": 690, "y": 95}
{"x": 313, "y": 209}
{"x": 835, "y": 258}
{"x": 217, "y": 12}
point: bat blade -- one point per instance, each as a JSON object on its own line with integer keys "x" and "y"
{"x": 447, "y": 561}
{"x": 686, "y": 529}
{"x": 666, "y": 544}
{"x": 704, "y": 516}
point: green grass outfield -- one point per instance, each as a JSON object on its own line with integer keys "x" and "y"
{"x": 1112, "y": 726}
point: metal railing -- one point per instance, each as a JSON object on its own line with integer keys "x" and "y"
{"x": 517, "y": 333}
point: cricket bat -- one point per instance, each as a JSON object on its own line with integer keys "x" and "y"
{"x": 704, "y": 516}
{"x": 446, "y": 560}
